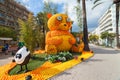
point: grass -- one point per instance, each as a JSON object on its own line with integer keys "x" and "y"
{"x": 35, "y": 62}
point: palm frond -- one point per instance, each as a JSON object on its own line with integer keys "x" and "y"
{"x": 96, "y": 1}
{"x": 97, "y": 5}
{"x": 78, "y": 1}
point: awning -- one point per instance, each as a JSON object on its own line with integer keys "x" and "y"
{"x": 5, "y": 38}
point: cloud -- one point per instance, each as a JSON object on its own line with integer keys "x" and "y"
{"x": 56, "y": 1}
{"x": 34, "y": 6}
{"x": 70, "y": 6}
{"x": 92, "y": 15}
{"x": 25, "y": 1}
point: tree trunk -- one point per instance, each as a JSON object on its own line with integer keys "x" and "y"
{"x": 117, "y": 27}
{"x": 85, "y": 30}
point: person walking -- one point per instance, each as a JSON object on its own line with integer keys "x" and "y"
{"x": 5, "y": 48}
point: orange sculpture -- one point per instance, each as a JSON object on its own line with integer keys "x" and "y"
{"x": 59, "y": 38}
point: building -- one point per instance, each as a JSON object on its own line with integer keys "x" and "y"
{"x": 107, "y": 23}
{"x": 10, "y": 11}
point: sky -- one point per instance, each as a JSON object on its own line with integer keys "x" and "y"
{"x": 93, "y": 16}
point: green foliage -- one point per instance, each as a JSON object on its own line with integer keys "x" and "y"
{"x": 42, "y": 20}
{"x": 96, "y": 3}
{"x": 60, "y": 57}
{"x": 27, "y": 32}
{"x": 8, "y": 32}
{"x": 78, "y": 1}
{"x": 109, "y": 36}
{"x": 79, "y": 15}
{"x": 50, "y": 8}
{"x": 76, "y": 34}
{"x": 104, "y": 35}
{"x": 40, "y": 38}
{"x": 93, "y": 38}
{"x": 41, "y": 28}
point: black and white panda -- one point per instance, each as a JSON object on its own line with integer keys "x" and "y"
{"x": 22, "y": 57}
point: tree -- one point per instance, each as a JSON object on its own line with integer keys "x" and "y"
{"x": 104, "y": 35}
{"x": 93, "y": 38}
{"x": 50, "y": 8}
{"x": 41, "y": 18}
{"x": 27, "y": 33}
{"x": 79, "y": 16}
{"x": 42, "y": 26}
{"x": 111, "y": 37}
{"x": 108, "y": 36}
{"x": 8, "y": 32}
{"x": 85, "y": 29}
{"x": 117, "y": 2}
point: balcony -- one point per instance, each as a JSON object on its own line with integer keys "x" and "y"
{"x": 2, "y": 22}
{"x": 10, "y": 18}
{"x": 2, "y": 15}
{"x": 2, "y": 8}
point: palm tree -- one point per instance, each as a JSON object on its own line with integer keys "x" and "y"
{"x": 42, "y": 24}
{"x": 117, "y": 2}
{"x": 85, "y": 29}
{"x": 117, "y": 19}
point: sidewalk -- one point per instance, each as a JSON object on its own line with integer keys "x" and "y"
{"x": 106, "y": 48}
{"x": 4, "y": 59}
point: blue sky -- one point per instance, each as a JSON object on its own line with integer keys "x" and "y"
{"x": 92, "y": 15}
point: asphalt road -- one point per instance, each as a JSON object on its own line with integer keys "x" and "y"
{"x": 105, "y": 65}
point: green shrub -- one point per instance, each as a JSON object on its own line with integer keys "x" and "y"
{"x": 60, "y": 57}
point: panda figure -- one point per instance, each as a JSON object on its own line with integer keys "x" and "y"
{"x": 22, "y": 57}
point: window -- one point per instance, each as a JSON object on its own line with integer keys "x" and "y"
{"x": 2, "y": 22}
{"x": 1, "y": 1}
{"x": 2, "y": 15}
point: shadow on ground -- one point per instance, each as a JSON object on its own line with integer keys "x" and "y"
{"x": 63, "y": 73}
{"x": 94, "y": 60}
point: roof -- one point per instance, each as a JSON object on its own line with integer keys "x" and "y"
{"x": 1, "y": 38}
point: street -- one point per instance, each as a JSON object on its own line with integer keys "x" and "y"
{"x": 105, "y": 65}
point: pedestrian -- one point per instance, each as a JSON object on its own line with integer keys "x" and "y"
{"x": 5, "y": 48}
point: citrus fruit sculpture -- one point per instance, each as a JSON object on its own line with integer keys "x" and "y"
{"x": 59, "y": 38}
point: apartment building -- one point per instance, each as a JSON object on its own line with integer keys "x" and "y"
{"x": 10, "y": 11}
{"x": 107, "y": 22}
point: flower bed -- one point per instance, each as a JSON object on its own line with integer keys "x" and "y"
{"x": 44, "y": 72}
